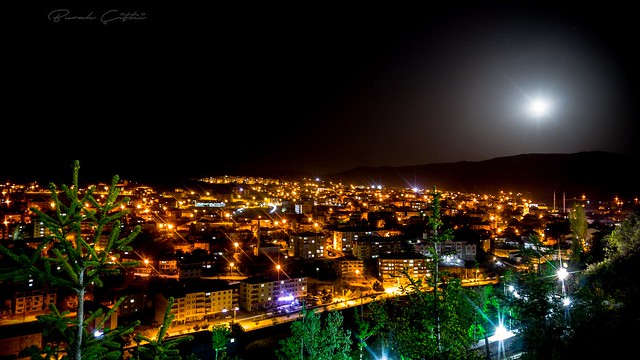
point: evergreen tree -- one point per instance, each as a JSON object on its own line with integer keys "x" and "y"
{"x": 537, "y": 302}
{"x": 539, "y": 315}
{"x": 160, "y": 348}
{"x": 84, "y": 233}
{"x": 536, "y": 254}
{"x": 437, "y": 236}
{"x": 436, "y": 318}
{"x": 418, "y": 332}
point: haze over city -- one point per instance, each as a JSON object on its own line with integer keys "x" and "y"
{"x": 315, "y": 87}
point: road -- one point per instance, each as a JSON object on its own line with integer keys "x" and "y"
{"x": 254, "y": 322}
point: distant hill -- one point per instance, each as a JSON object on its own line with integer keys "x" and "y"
{"x": 597, "y": 175}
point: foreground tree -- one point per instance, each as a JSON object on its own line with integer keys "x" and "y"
{"x": 605, "y": 315}
{"x": 84, "y": 233}
{"x": 159, "y": 348}
{"x": 317, "y": 337}
{"x": 417, "y": 331}
{"x": 437, "y": 236}
{"x": 579, "y": 228}
{"x": 436, "y": 318}
{"x": 220, "y": 338}
{"x": 365, "y": 328}
{"x": 583, "y": 311}
{"x": 538, "y": 313}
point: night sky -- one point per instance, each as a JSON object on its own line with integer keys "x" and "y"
{"x": 319, "y": 87}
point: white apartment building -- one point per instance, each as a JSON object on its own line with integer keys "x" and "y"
{"x": 258, "y": 293}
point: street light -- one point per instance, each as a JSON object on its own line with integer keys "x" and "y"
{"x": 562, "y": 275}
{"x": 566, "y": 300}
{"x": 278, "y": 269}
{"x": 317, "y": 274}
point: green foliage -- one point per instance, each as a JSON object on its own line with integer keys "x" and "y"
{"x": 437, "y": 318}
{"x": 602, "y": 317}
{"x": 220, "y": 337}
{"x": 536, "y": 254}
{"x": 538, "y": 313}
{"x": 435, "y": 219}
{"x": 624, "y": 241}
{"x": 317, "y": 337}
{"x": 436, "y": 325}
{"x": 159, "y": 348}
{"x": 100, "y": 342}
{"x": 73, "y": 258}
{"x": 579, "y": 228}
{"x": 365, "y": 328}
{"x": 605, "y": 307}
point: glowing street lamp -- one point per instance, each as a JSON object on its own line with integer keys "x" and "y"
{"x": 278, "y": 269}
{"x": 562, "y": 273}
{"x": 566, "y": 301}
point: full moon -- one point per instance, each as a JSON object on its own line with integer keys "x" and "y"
{"x": 539, "y": 108}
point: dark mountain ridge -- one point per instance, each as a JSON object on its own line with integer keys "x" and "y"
{"x": 600, "y": 176}
{"x": 597, "y": 175}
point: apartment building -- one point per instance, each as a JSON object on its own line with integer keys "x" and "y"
{"x": 32, "y": 301}
{"x": 451, "y": 248}
{"x": 343, "y": 238}
{"x": 350, "y": 268}
{"x": 262, "y": 293}
{"x": 308, "y": 245}
{"x": 17, "y": 337}
{"x": 372, "y": 246}
{"x": 197, "y": 300}
{"x": 391, "y": 267}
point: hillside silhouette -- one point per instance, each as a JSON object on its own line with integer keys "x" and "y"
{"x": 600, "y": 176}
{"x": 597, "y": 175}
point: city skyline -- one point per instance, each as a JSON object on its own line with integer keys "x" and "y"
{"x": 315, "y": 88}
